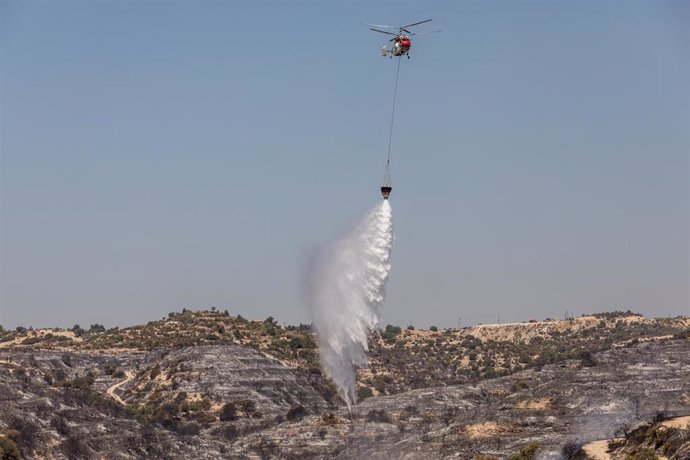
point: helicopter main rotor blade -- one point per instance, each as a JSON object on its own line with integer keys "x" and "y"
{"x": 383, "y": 32}
{"x": 377, "y": 25}
{"x": 417, "y": 23}
{"x": 429, "y": 32}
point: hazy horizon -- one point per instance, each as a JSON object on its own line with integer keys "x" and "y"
{"x": 157, "y": 156}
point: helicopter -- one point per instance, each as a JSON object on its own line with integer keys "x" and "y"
{"x": 401, "y": 40}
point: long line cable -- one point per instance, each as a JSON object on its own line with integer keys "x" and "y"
{"x": 395, "y": 98}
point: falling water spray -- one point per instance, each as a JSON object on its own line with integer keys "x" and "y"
{"x": 346, "y": 285}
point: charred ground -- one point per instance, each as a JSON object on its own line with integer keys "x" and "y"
{"x": 205, "y": 384}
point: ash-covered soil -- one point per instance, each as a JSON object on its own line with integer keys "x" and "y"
{"x": 229, "y": 401}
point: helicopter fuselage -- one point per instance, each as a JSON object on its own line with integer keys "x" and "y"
{"x": 401, "y": 45}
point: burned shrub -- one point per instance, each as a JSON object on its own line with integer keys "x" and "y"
{"x": 73, "y": 447}
{"x": 572, "y": 450}
{"x": 188, "y": 429}
{"x": 329, "y": 419}
{"x": 296, "y": 413}
{"x": 155, "y": 372}
{"x": 229, "y": 432}
{"x": 408, "y": 411}
{"x": 378, "y": 416}
{"x": 228, "y": 412}
{"x": 23, "y": 432}
{"x": 659, "y": 416}
{"x": 587, "y": 359}
{"x": 61, "y": 426}
{"x": 81, "y": 383}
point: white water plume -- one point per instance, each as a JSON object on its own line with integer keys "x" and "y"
{"x": 346, "y": 291}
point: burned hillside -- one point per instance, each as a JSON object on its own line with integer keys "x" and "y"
{"x": 210, "y": 385}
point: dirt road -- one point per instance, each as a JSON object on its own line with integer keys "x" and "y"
{"x": 129, "y": 375}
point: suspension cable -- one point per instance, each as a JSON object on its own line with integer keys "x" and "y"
{"x": 395, "y": 97}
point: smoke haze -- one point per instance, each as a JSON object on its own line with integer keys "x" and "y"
{"x": 346, "y": 289}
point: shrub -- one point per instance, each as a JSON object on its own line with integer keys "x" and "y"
{"x": 188, "y": 429}
{"x": 270, "y": 321}
{"x": 118, "y": 373}
{"x": 155, "y": 372}
{"x": 526, "y": 453}
{"x": 329, "y": 419}
{"x": 296, "y": 413}
{"x": 433, "y": 328}
{"x": 302, "y": 341}
{"x": 572, "y": 450}
{"x": 642, "y": 453}
{"x": 490, "y": 372}
{"x": 8, "y": 449}
{"x": 74, "y": 448}
{"x": 81, "y": 383}
{"x": 364, "y": 393}
{"x": 390, "y": 332}
{"x": 378, "y": 416}
{"x": 230, "y": 432}
{"x": 587, "y": 360}
{"x": 247, "y": 406}
{"x": 61, "y": 426}
{"x": 408, "y": 411}
{"x": 519, "y": 385}
{"x": 659, "y": 416}
{"x": 228, "y": 412}
{"x": 202, "y": 404}
{"x": 31, "y": 340}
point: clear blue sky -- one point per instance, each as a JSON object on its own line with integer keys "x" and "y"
{"x": 161, "y": 155}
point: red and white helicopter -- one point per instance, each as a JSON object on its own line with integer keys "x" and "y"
{"x": 401, "y": 40}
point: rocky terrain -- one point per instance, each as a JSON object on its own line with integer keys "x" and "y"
{"x": 209, "y": 385}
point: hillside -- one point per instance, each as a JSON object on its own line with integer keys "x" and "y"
{"x": 210, "y": 385}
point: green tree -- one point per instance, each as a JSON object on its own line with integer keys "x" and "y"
{"x": 96, "y": 328}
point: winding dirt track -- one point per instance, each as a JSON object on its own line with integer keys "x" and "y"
{"x": 129, "y": 375}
